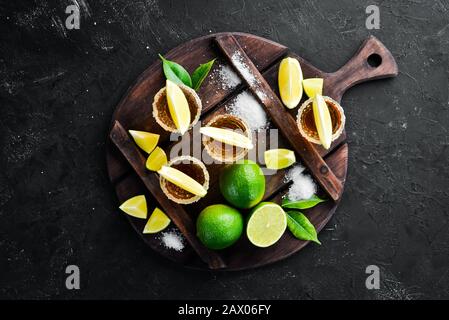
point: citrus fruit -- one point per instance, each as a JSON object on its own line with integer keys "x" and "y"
{"x": 156, "y": 159}
{"x": 146, "y": 141}
{"x": 242, "y": 184}
{"x": 178, "y": 107}
{"x": 182, "y": 180}
{"x": 219, "y": 226}
{"x": 279, "y": 158}
{"x": 135, "y": 206}
{"x": 290, "y": 82}
{"x": 313, "y": 86}
{"x": 158, "y": 221}
{"x": 266, "y": 224}
{"x": 227, "y": 136}
{"x": 323, "y": 121}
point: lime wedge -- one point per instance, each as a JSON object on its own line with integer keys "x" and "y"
{"x": 313, "y": 86}
{"x": 323, "y": 121}
{"x": 146, "y": 141}
{"x": 178, "y": 107}
{"x": 156, "y": 159}
{"x": 279, "y": 158}
{"x": 266, "y": 225}
{"x": 158, "y": 221}
{"x": 290, "y": 82}
{"x": 182, "y": 180}
{"x": 135, "y": 206}
{"x": 227, "y": 136}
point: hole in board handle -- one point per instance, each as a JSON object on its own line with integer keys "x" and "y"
{"x": 374, "y": 60}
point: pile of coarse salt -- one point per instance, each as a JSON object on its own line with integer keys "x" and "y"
{"x": 249, "y": 109}
{"x": 237, "y": 59}
{"x": 302, "y": 187}
{"x": 225, "y": 77}
{"x": 240, "y": 64}
{"x": 173, "y": 240}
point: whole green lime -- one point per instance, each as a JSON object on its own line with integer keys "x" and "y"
{"x": 218, "y": 226}
{"x": 242, "y": 184}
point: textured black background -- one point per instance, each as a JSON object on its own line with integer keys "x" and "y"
{"x": 58, "y": 89}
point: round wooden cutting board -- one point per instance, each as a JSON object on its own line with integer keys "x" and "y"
{"x": 371, "y": 61}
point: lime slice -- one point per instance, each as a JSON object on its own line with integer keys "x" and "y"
{"x": 136, "y": 207}
{"x": 290, "y": 82}
{"x": 182, "y": 180}
{"x": 266, "y": 224}
{"x": 158, "y": 221}
{"x": 227, "y": 136}
{"x": 323, "y": 121}
{"x": 313, "y": 86}
{"x": 146, "y": 141}
{"x": 178, "y": 107}
{"x": 279, "y": 158}
{"x": 156, "y": 159}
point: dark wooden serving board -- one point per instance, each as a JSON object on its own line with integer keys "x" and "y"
{"x": 126, "y": 164}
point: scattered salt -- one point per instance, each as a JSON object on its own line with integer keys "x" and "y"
{"x": 173, "y": 240}
{"x": 249, "y": 109}
{"x": 302, "y": 187}
{"x": 225, "y": 77}
{"x": 237, "y": 59}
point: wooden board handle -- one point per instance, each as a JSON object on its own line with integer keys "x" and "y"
{"x": 372, "y": 61}
{"x": 175, "y": 211}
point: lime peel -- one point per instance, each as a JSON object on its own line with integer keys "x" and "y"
{"x": 290, "y": 82}
{"x": 156, "y": 159}
{"x": 157, "y": 222}
{"x": 323, "y": 121}
{"x": 135, "y": 207}
{"x": 146, "y": 141}
{"x": 182, "y": 180}
{"x": 178, "y": 107}
{"x": 279, "y": 158}
{"x": 313, "y": 86}
{"x": 227, "y": 136}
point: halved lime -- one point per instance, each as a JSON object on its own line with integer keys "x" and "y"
{"x": 266, "y": 225}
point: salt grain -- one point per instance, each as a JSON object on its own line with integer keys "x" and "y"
{"x": 237, "y": 59}
{"x": 173, "y": 240}
{"x": 249, "y": 109}
{"x": 302, "y": 187}
{"x": 225, "y": 77}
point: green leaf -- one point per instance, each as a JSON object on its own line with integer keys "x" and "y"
{"x": 175, "y": 72}
{"x": 301, "y": 227}
{"x": 201, "y": 73}
{"x": 302, "y": 204}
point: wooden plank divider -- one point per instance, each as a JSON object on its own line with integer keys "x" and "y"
{"x": 176, "y": 212}
{"x": 280, "y": 116}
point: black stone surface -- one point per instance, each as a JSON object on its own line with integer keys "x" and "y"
{"x": 58, "y": 89}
